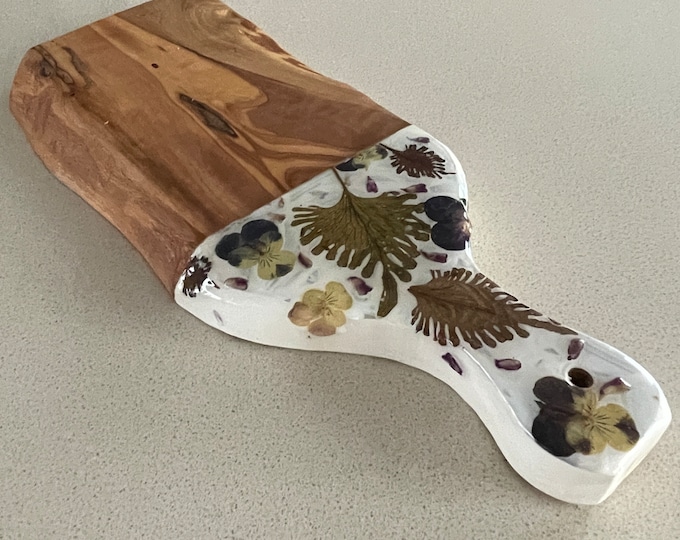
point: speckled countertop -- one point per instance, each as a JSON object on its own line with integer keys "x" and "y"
{"x": 121, "y": 416}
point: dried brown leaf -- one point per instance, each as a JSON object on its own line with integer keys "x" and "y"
{"x": 458, "y": 304}
{"x": 359, "y": 231}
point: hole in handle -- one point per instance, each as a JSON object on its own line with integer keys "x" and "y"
{"x": 580, "y": 377}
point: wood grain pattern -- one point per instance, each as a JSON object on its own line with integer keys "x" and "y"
{"x": 174, "y": 118}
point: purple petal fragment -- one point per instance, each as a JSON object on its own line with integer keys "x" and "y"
{"x": 435, "y": 256}
{"x": 415, "y": 188}
{"x": 422, "y": 140}
{"x": 237, "y": 283}
{"x": 509, "y": 364}
{"x": 362, "y": 288}
{"x": 615, "y": 386}
{"x": 575, "y": 348}
{"x": 281, "y": 202}
{"x": 304, "y": 260}
{"x": 218, "y": 317}
{"x": 451, "y": 361}
{"x": 276, "y": 217}
{"x": 371, "y": 186}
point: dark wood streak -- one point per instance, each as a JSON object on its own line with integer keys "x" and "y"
{"x": 79, "y": 65}
{"x": 49, "y": 60}
{"x": 211, "y": 117}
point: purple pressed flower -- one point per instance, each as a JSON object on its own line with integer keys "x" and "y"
{"x": 451, "y": 361}
{"x": 415, "y": 188}
{"x": 360, "y": 286}
{"x": 304, "y": 260}
{"x": 371, "y": 186}
{"x": 237, "y": 283}
{"x": 435, "y": 256}
{"x": 509, "y": 364}
{"x": 615, "y": 386}
{"x": 575, "y": 348}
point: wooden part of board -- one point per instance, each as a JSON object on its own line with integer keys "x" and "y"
{"x": 174, "y": 118}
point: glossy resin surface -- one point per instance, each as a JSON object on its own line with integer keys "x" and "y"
{"x": 373, "y": 257}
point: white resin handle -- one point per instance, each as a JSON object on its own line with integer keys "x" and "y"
{"x": 373, "y": 257}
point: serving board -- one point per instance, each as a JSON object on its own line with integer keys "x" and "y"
{"x": 283, "y": 207}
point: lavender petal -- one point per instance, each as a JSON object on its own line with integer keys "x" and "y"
{"x": 435, "y": 256}
{"x": 304, "y": 260}
{"x": 371, "y": 186}
{"x": 509, "y": 364}
{"x": 615, "y": 386}
{"x": 237, "y": 283}
{"x": 451, "y": 361}
{"x": 415, "y": 188}
{"x": 276, "y": 217}
{"x": 362, "y": 288}
{"x": 575, "y": 348}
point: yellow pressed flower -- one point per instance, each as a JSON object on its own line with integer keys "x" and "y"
{"x": 592, "y": 428}
{"x": 322, "y": 311}
{"x": 571, "y": 419}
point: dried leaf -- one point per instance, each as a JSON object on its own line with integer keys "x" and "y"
{"x": 359, "y": 231}
{"x": 458, "y": 304}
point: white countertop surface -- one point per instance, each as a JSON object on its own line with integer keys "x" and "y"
{"x": 122, "y": 416}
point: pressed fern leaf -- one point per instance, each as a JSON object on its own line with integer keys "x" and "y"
{"x": 360, "y": 231}
{"x": 459, "y": 304}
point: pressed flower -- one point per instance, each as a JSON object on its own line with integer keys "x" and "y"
{"x": 572, "y": 420}
{"x": 363, "y": 159}
{"x": 452, "y": 228}
{"x": 322, "y": 311}
{"x": 195, "y": 275}
{"x": 417, "y": 161}
{"x": 592, "y": 428}
{"x": 259, "y": 243}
